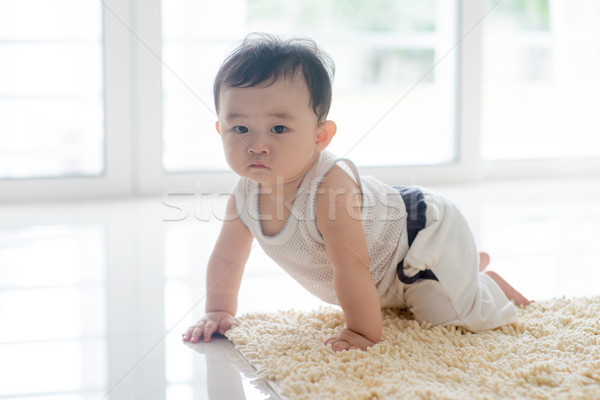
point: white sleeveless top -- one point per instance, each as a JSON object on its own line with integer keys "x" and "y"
{"x": 299, "y": 247}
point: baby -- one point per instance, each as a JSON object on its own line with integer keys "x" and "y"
{"x": 350, "y": 240}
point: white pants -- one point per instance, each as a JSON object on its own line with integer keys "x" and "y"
{"x": 462, "y": 295}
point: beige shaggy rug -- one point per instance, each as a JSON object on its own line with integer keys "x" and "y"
{"x": 553, "y": 353}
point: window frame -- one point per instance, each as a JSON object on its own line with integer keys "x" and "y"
{"x": 133, "y": 124}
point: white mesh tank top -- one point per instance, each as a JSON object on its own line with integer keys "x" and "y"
{"x": 299, "y": 247}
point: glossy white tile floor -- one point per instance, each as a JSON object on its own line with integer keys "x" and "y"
{"x": 94, "y": 296}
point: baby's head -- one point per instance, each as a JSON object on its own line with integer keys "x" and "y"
{"x": 262, "y": 59}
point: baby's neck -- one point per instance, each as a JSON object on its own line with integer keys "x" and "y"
{"x": 280, "y": 192}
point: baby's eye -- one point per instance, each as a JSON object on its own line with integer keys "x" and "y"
{"x": 240, "y": 129}
{"x": 278, "y": 129}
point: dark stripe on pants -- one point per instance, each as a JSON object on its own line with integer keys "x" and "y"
{"x": 415, "y": 221}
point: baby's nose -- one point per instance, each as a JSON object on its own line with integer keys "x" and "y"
{"x": 259, "y": 145}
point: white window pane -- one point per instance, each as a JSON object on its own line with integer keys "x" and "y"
{"x": 190, "y": 138}
{"x": 192, "y": 19}
{"x": 193, "y": 62}
{"x": 50, "y": 20}
{"x": 541, "y": 87}
{"x": 383, "y": 116}
{"x": 42, "y": 69}
{"x": 393, "y": 97}
{"x": 51, "y": 107}
{"x": 51, "y": 137}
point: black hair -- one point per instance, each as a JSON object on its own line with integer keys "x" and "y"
{"x": 264, "y": 58}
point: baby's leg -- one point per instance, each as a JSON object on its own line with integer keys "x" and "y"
{"x": 510, "y": 292}
{"x": 461, "y": 295}
{"x": 484, "y": 261}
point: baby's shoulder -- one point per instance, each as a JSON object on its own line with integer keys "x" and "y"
{"x": 338, "y": 178}
{"x": 338, "y": 190}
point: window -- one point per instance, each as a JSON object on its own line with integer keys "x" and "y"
{"x": 51, "y": 104}
{"x": 394, "y": 88}
{"x": 541, "y": 87}
{"x": 112, "y": 97}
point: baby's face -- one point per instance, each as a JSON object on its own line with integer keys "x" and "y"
{"x": 269, "y": 133}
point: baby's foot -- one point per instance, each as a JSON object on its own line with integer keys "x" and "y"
{"x": 510, "y": 292}
{"x": 484, "y": 261}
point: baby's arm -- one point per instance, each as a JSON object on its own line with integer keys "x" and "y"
{"x": 338, "y": 219}
{"x": 223, "y": 277}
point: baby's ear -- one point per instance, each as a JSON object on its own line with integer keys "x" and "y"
{"x": 326, "y": 132}
{"x": 218, "y": 126}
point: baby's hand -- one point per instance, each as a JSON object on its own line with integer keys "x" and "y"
{"x": 213, "y": 322}
{"x": 348, "y": 340}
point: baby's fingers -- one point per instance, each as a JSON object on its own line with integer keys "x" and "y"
{"x": 210, "y": 328}
{"x": 194, "y": 333}
{"x": 225, "y": 325}
{"x": 187, "y": 335}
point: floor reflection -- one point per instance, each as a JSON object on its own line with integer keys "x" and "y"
{"x": 229, "y": 376}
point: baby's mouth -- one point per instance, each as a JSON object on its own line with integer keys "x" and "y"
{"x": 258, "y": 165}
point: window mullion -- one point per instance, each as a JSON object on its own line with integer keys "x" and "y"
{"x": 147, "y": 60}
{"x": 118, "y": 100}
{"x": 469, "y": 92}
